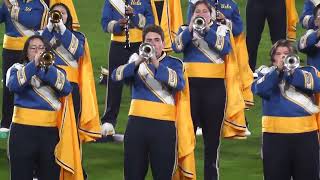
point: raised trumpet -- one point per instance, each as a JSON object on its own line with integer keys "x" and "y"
{"x": 46, "y": 59}
{"x": 146, "y": 50}
{"x": 291, "y": 61}
{"x": 199, "y": 24}
{"x": 55, "y": 16}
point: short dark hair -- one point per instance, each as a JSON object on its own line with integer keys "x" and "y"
{"x": 24, "y": 56}
{"x": 152, "y": 28}
{"x": 69, "y": 18}
{"x": 205, "y": 2}
{"x": 282, "y": 43}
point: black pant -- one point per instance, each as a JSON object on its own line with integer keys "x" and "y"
{"x": 257, "y": 12}
{"x": 208, "y": 98}
{"x": 9, "y": 57}
{"x": 30, "y": 147}
{"x": 291, "y": 155}
{"x": 149, "y": 140}
{"x": 118, "y": 55}
{"x": 76, "y": 98}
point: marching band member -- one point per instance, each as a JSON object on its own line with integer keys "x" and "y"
{"x": 125, "y": 24}
{"x": 72, "y": 54}
{"x": 227, "y": 12}
{"x": 290, "y": 148}
{"x": 309, "y": 42}
{"x": 22, "y": 19}
{"x": 212, "y": 72}
{"x": 34, "y": 133}
{"x": 70, "y": 5}
{"x": 150, "y": 135}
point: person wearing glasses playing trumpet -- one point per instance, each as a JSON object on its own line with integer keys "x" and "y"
{"x": 72, "y": 54}
{"x": 150, "y": 136}
{"x": 37, "y": 91}
{"x": 22, "y": 19}
{"x": 290, "y": 148}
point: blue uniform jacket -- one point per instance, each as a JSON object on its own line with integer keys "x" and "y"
{"x": 142, "y": 16}
{"x": 218, "y": 43}
{"x": 307, "y": 18}
{"x": 29, "y": 15}
{"x": 309, "y": 44}
{"x": 274, "y": 103}
{"x": 22, "y": 81}
{"x": 230, "y": 10}
{"x": 169, "y": 74}
{"x": 72, "y": 41}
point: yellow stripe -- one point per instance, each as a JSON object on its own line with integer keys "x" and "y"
{"x": 14, "y": 43}
{"x": 302, "y": 124}
{"x": 72, "y": 73}
{"x": 135, "y": 36}
{"x": 153, "y": 110}
{"x": 205, "y": 70}
{"x": 34, "y": 117}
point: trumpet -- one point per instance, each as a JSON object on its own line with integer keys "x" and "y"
{"x": 199, "y": 24}
{"x": 55, "y": 16}
{"x": 291, "y": 62}
{"x": 146, "y": 50}
{"x": 46, "y": 59}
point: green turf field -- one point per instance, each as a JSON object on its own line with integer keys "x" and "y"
{"x": 239, "y": 159}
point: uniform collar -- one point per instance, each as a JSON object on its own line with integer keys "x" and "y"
{"x": 164, "y": 54}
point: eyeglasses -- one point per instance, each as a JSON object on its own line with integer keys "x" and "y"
{"x": 34, "y": 48}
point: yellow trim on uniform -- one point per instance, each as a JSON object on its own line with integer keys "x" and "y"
{"x": 153, "y": 110}
{"x": 72, "y": 73}
{"x": 14, "y": 43}
{"x": 135, "y": 36}
{"x": 34, "y": 117}
{"x": 205, "y": 70}
{"x": 273, "y": 124}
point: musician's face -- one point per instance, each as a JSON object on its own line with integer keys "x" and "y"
{"x": 155, "y": 40}
{"x": 203, "y": 11}
{"x": 317, "y": 18}
{"x": 63, "y": 11}
{"x": 281, "y": 53}
{"x": 36, "y": 46}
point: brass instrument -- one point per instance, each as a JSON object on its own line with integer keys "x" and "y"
{"x": 146, "y": 50}
{"x": 291, "y": 62}
{"x": 46, "y": 59}
{"x": 199, "y": 24}
{"x": 55, "y": 16}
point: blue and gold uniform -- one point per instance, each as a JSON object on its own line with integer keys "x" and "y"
{"x": 307, "y": 18}
{"x": 152, "y": 112}
{"x": 113, "y": 11}
{"x": 35, "y": 119}
{"x": 206, "y": 70}
{"x": 22, "y": 21}
{"x": 230, "y": 10}
{"x": 289, "y": 123}
{"x": 68, "y": 49}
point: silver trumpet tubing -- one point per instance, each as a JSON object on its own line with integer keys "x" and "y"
{"x": 199, "y": 24}
{"x": 55, "y": 16}
{"x": 146, "y": 50}
{"x": 291, "y": 62}
{"x": 46, "y": 59}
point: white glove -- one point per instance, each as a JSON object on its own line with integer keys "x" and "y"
{"x": 50, "y": 25}
{"x": 61, "y": 27}
{"x": 107, "y": 129}
{"x": 222, "y": 30}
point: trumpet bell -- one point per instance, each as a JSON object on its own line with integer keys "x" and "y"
{"x": 46, "y": 59}
{"x": 55, "y": 16}
{"x": 199, "y": 24}
{"x": 146, "y": 50}
{"x": 291, "y": 62}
